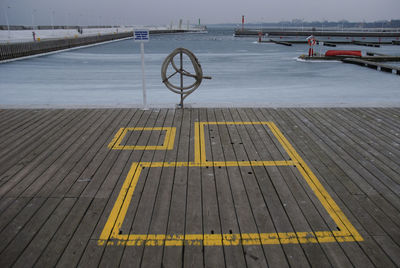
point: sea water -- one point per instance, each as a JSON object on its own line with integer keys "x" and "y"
{"x": 244, "y": 74}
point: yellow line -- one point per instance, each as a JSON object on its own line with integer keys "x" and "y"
{"x": 171, "y": 138}
{"x": 116, "y": 137}
{"x": 231, "y": 239}
{"x": 168, "y": 143}
{"x": 120, "y": 208}
{"x": 197, "y": 142}
{"x": 202, "y": 144}
{"x": 111, "y": 230}
{"x": 329, "y": 204}
{"x": 218, "y": 164}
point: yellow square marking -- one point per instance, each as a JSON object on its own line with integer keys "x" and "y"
{"x": 168, "y": 143}
{"x": 111, "y": 236}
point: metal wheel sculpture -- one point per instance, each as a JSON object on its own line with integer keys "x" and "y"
{"x": 184, "y": 91}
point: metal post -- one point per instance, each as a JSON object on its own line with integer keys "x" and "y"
{"x": 33, "y": 18}
{"x": 181, "y": 68}
{"x": 8, "y": 24}
{"x": 143, "y": 80}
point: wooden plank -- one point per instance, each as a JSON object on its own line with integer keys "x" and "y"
{"x": 269, "y": 150}
{"x": 377, "y": 181}
{"x": 61, "y": 238}
{"x": 92, "y": 248}
{"x": 12, "y": 229}
{"x": 26, "y": 124}
{"x": 5, "y": 203}
{"x": 193, "y": 254}
{"x": 347, "y": 149}
{"x": 234, "y": 255}
{"x": 391, "y": 249}
{"x": 386, "y": 122}
{"x": 295, "y": 216}
{"x": 8, "y": 115}
{"x": 364, "y": 177}
{"x": 314, "y": 216}
{"x": 333, "y": 251}
{"x": 372, "y": 141}
{"x": 38, "y": 152}
{"x": 43, "y": 131}
{"x": 142, "y": 201}
{"x": 91, "y": 160}
{"x": 81, "y": 157}
{"x": 213, "y": 256}
{"x": 356, "y": 256}
{"x": 360, "y": 151}
{"x": 32, "y": 252}
{"x": 53, "y": 152}
{"x": 80, "y": 141}
{"x": 167, "y": 196}
{"x": 97, "y": 169}
{"x": 173, "y": 256}
{"x": 11, "y": 119}
{"x": 10, "y": 211}
{"x": 72, "y": 253}
{"x": 10, "y": 254}
{"x": 81, "y": 238}
{"x": 29, "y": 145}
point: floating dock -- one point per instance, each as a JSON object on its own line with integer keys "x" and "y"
{"x": 331, "y": 43}
{"x": 374, "y": 65}
{"x": 376, "y": 58}
{"x": 278, "y": 32}
{"x": 200, "y": 187}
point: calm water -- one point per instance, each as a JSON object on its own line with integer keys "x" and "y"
{"x": 244, "y": 74}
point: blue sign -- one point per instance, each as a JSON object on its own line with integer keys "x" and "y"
{"x": 141, "y": 35}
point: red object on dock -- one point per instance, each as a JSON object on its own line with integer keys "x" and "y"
{"x": 343, "y": 53}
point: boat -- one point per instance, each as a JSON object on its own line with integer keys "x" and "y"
{"x": 330, "y": 53}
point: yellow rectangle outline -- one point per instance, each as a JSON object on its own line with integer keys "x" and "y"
{"x": 111, "y": 236}
{"x": 168, "y": 143}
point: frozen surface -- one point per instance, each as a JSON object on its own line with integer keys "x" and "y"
{"x": 244, "y": 73}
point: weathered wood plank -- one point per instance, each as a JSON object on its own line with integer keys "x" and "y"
{"x": 144, "y": 201}
{"x": 81, "y": 157}
{"x": 60, "y": 181}
{"x": 40, "y": 151}
{"x": 213, "y": 256}
{"x": 42, "y": 238}
{"x": 80, "y": 140}
{"x": 193, "y": 254}
{"x": 13, "y": 227}
{"x": 91, "y": 160}
{"x": 234, "y": 255}
{"x": 61, "y": 238}
{"x": 173, "y": 256}
{"x": 354, "y": 253}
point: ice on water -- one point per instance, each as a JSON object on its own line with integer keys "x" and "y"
{"x": 244, "y": 73}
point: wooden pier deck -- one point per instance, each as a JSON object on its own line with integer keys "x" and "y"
{"x": 200, "y": 187}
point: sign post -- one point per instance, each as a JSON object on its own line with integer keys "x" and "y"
{"x": 142, "y": 36}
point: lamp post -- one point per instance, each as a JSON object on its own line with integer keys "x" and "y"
{"x": 33, "y": 19}
{"x": 52, "y": 19}
{"x": 8, "y": 24}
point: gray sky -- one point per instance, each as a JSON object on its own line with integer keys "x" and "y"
{"x": 162, "y": 12}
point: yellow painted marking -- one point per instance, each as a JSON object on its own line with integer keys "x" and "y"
{"x": 168, "y": 143}
{"x": 329, "y": 204}
{"x": 231, "y": 239}
{"x": 196, "y": 143}
{"x": 110, "y": 234}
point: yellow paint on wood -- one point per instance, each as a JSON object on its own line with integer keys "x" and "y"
{"x": 110, "y": 234}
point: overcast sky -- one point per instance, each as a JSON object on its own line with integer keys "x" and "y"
{"x": 162, "y": 12}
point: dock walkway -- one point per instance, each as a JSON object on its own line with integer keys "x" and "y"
{"x": 200, "y": 187}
